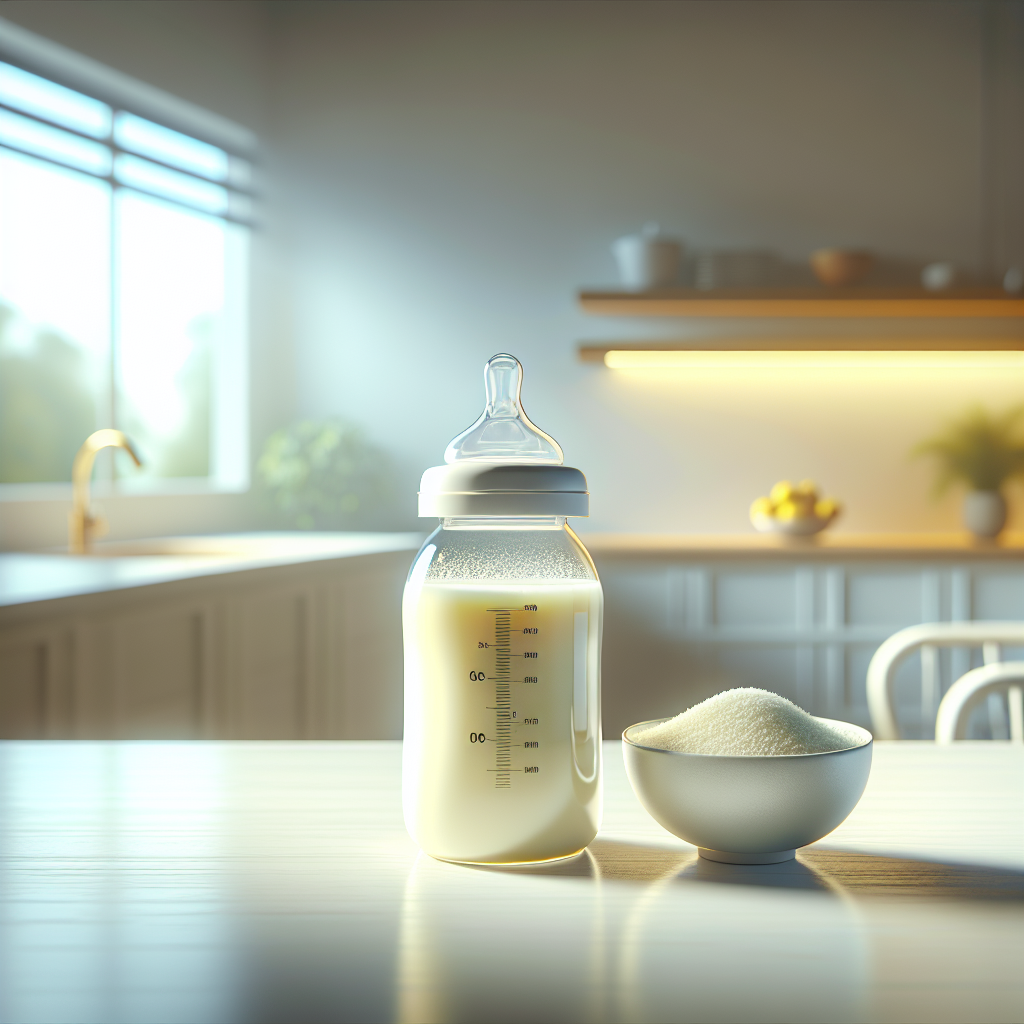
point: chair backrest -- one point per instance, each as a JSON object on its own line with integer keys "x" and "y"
{"x": 970, "y": 689}
{"x": 882, "y": 670}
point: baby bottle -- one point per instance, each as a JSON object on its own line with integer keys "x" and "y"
{"x": 502, "y": 618}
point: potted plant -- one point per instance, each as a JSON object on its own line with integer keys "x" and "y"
{"x": 984, "y": 450}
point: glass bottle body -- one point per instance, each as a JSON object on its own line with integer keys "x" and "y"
{"x": 502, "y": 622}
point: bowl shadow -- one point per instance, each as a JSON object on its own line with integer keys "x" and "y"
{"x": 859, "y": 875}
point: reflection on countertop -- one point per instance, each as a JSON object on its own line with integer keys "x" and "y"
{"x": 26, "y": 577}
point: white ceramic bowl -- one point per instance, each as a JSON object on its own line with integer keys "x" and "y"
{"x": 748, "y": 810}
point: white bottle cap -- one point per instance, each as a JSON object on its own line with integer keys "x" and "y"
{"x": 503, "y": 465}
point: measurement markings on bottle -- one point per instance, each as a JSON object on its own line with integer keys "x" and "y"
{"x": 504, "y": 716}
{"x": 503, "y": 700}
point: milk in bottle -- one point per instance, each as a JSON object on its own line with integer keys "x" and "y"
{"x": 502, "y": 620}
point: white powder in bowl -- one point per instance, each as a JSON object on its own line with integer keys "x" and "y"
{"x": 747, "y": 721}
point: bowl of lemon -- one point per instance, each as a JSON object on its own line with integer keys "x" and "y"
{"x": 795, "y": 510}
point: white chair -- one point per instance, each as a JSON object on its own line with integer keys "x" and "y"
{"x": 968, "y": 691}
{"x": 989, "y": 636}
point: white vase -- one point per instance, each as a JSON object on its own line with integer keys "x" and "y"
{"x": 984, "y": 512}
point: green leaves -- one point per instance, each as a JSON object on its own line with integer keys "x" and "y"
{"x": 982, "y": 449}
{"x": 322, "y": 473}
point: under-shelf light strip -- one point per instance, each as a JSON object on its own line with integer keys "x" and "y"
{"x": 703, "y": 359}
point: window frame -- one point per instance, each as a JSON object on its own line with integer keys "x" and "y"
{"x": 230, "y": 420}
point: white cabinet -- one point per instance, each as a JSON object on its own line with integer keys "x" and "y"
{"x": 680, "y": 628}
{"x": 302, "y": 651}
{"x": 314, "y": 650}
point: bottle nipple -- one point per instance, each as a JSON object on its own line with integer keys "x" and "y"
{"x": 504, "y": 432}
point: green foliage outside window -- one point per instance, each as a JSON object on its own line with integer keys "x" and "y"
{"x": 323, "y": 474}
{"x": 47, "y": 408}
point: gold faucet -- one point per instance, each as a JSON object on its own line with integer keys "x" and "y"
{"x": 83, "y": 526}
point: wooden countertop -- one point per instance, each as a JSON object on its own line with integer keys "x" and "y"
{"x": 275, "y": 882}
{"x": 822, "y": 547}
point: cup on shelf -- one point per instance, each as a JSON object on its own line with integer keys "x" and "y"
{"x": 648, "y": 260}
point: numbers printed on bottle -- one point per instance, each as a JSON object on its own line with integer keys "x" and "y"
{"x": 503, "y": 647}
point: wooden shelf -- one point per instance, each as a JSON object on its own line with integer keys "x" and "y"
{"x": 594, "y": 351}
{"x": 822, "y": 302}
{"x": 824, "y": 546}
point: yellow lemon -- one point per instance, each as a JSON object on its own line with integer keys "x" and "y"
{"x": 761, "y": 507}
{"x": 787, "y": 511}
{"x": 827, "y": 508}
{"x": 781, "y": 491}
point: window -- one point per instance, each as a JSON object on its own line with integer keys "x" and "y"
{"x": 123, "y": 291}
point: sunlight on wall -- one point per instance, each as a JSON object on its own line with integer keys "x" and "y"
{"x": 731, "y": 435}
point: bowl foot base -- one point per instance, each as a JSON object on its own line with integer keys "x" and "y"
{"x": 747, "y": 858}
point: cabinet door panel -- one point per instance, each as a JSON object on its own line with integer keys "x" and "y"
{"x": 774, "y": 668}
{"x": 367, "y": 636}
{"x": 906, "y": 691}
{"x": 755, "y": 598}
{"x": 646, "y": 669}
{"x": 998, "y": 595}
{"x": 158, "y": 674}
{"x": 881, "y": 598}
{"x": 271, "y": 696}
{"x": 23, "y": 680}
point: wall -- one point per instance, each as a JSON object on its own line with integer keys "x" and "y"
{"x": 443, "y": 177}
{"x": 455, "y": 172}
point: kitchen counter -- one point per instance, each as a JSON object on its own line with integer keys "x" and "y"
{"x": 275, "y": 882}
{"x": 46, "y": 576}
{"x": 277, "y": 636}
{"x": 821, "y": 547}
